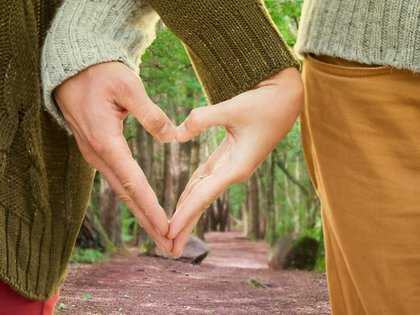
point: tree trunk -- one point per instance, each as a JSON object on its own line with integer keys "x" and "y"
{"x": 245, "y": 216}
{"x": 201, "y": 227}
{"x": 271, "y": 197}
{"x": 211, "y": 214}
{"x": 224, "y": 212}
{"x": 144, "y": 158}
{"x": 184, "y": 166}
{"x": 110, "y": 213}
{"x": 93, "y": 235}
{"x": 261, "y": 174}
{"x": 195, "y": 155}
{"x": 156, "y": 177}
{"x": 253, "y": 208}
{"x": 168, "y": 201}
{"x": 145, "y": 151}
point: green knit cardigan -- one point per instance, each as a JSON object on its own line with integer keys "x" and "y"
{"x": 44, "y": 182}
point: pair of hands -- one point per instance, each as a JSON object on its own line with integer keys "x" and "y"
{"x": 95, "y": 102}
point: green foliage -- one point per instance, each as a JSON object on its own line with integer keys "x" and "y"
{"x": 87, "y": 296}
{"x": 169, "y": 76}
{"x": 320, "y": 262}
{"x": 317, "y": 233}
{"x": 285, "y": 14}
{"x": 128, "y": 223}
{"x": 86, "y": 256}
{"x": 256, "y": 283}
{"x": 61, "y": 306}
{"x": 237, "y": 195}
{"x": 303, "y": 254}
{"x": 130, "y": 128}
{"x": 146, "y": 246}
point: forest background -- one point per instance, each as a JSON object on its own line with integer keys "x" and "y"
{"x": 278, "y": 200}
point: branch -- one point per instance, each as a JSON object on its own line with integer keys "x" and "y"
{"x": 303, "y": 189}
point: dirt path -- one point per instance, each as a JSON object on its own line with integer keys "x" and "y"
{"x": 221, "y": 285}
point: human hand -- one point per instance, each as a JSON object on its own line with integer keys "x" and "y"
{"x": 94, "y": 103}
{"x": 255, "y": 122}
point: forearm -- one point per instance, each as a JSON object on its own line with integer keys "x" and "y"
{"x": 85, "y": 33}
{"x": 233, "y": 44}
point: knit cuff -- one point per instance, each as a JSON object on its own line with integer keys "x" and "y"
{"x": 85, "y": 33}
{"x": 233, "y": 44}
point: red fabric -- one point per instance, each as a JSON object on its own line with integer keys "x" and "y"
{"x": 11, "y": 303}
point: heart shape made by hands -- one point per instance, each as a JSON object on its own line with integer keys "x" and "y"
{"x": 255, "y": 121}
{"x": 95, "y": 102}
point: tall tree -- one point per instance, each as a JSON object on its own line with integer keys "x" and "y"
{"x": 110, "y": 213}
{"x": 253, "y": 208}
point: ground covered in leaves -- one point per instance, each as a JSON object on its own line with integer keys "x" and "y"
{"x": 234, "y": 279}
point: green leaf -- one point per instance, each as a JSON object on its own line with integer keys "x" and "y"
{"x": 255, "y": 283}
{"x": 86, "y": 296}
{"x": 61, "y": 306}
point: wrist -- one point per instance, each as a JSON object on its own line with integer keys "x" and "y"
{"x": 291, "y": 75}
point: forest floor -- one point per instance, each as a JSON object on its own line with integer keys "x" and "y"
{"x": 233, "y": 279}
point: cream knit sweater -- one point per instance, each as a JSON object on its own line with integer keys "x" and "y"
{"x": 382, "y": 32}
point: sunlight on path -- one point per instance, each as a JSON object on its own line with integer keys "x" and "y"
{"x": 231, "y": 249}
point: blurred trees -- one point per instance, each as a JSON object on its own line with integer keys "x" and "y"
{"x": 277, "y": 200}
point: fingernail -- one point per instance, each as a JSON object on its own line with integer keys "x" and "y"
{"x": 169, "y": 236}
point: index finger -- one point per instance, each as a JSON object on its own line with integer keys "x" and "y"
{"x": 199, "y": 198}
{"x": 118, "y": 158}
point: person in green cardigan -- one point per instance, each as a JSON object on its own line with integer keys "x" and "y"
{"x": 79, "y": 61}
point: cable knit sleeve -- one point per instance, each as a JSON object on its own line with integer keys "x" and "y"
{"x": 88, "y": 32}
{"x": 233, "y": 44}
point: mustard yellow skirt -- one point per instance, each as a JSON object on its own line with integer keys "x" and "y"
{"x": 361, "y": 138}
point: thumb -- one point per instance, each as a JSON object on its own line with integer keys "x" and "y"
{"x": 150, "y": 115}
{"x": 202, "y": 118}
{"x": 155, "y": 121}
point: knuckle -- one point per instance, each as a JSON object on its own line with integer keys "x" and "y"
{"x": 95, "y": 142}
{"x": 146, "y": 211}
{"x": 124, "y": 85}
{"x": 124, "y": 198}
{"x": 120, "y": 87}
{"x": 129, "y": 187}
{"x": 154, "y": 122}
{"x": 193, "y": 119}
